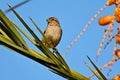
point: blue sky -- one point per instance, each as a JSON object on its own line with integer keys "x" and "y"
{"x": 73, "y": 16}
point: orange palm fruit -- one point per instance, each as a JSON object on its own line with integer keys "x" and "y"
{"x": 105, "y": 20}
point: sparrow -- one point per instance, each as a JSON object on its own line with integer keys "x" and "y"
{"x": 52, "y": 33}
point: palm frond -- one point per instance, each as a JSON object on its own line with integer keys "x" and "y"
{"x": 11, "y": 38}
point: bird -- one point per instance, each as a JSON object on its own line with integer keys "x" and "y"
{"x": 52, "y": 33}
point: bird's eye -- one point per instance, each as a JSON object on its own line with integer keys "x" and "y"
{"x": 53, "y": 19}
